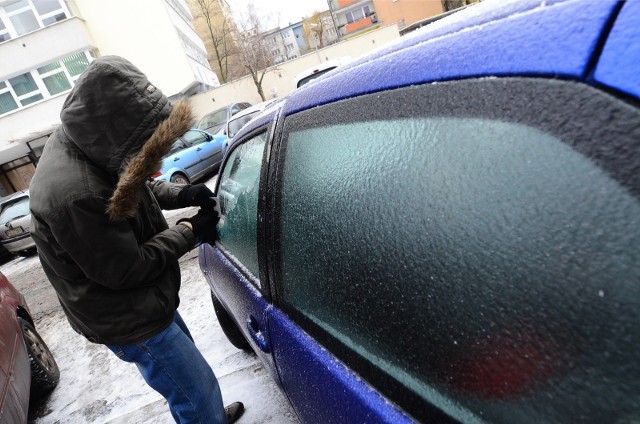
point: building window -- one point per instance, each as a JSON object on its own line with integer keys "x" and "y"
{"x": 24, "y": 16}
{"x": 7, "y": 103}
{"x": 4, "y": 32}
{"x": 54, "y": 78}
{"x": 356, "y": 15}
{"x": 76, "y": 63}
{"x": 25, "y": 88}
{"x": 42, "y": 83}
{"x": 192, "y": 50}
{"x": 24, "y": 22}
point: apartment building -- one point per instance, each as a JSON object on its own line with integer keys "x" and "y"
{"x": 320, "y": 30}
{"x": 301, "y": 38}
{"x": 46, "y": 44}
{"x": 282, "y": 43}
{"x": 353, "y": 17}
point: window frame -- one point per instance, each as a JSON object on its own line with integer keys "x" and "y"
{"x": 477, "y": 98}
{"x": 260, "y": 282}
{"x": 40, "y": 18}
{"x": 42, "y": 89}
{"x": 189, "y": 143}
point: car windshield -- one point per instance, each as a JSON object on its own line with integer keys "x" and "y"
{"x": 215, "y": 118}
{"x": 15, "y": 210}
{"x": 236, "y": 124}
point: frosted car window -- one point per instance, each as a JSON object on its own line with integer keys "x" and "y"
{"x": 238, "y": 195}
{"x": 453, "y": 253}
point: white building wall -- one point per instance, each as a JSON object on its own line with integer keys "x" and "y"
{"x": 32, "y": 120}
{"x": 143, "y": 31}
{"x": 178, "y": 12}
{"x": 43, "y": 46}
{"x": 279, "y": 81}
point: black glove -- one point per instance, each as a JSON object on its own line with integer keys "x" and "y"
{"x": 196, "y": 195}
{"x": 203, "y": 225}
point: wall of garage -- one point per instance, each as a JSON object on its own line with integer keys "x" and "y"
{"x": 278, "y": 82}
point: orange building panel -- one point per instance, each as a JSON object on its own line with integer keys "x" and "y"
{"x": 343, "y": 3}
{"x": 406, "y": 12}
{"x": 357, "y": 25}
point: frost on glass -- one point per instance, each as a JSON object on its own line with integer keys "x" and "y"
{"x": 483, "y": 260}
{"x": 238, "y": 196}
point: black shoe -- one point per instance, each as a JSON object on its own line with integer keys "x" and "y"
{"x": 234, "y": 412}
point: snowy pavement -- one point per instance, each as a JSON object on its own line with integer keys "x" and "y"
{"x": 96, "y": 387}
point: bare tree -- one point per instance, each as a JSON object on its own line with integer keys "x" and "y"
{"x": 314, "y": 27}
{"x": 220, "y": 29}
{"x": 448, "y": 5}
{"x": 255, "y": 54}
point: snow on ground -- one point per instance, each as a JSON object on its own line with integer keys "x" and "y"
{"x": 96, "y": 387}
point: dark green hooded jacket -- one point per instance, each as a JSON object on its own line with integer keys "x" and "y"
{"x": 97, "y": 222}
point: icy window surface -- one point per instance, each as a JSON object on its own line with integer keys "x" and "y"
{"x": 486, "y": 260}
{"x": 238, "y": 195}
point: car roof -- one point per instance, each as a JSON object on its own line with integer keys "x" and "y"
{"x": 213, "y": 112}
{"x": 270, "y": 109}
{"x": 492, "y": 38}
{"x": 257, "y": 107}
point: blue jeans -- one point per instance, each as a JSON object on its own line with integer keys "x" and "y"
{"x": 173, "y": 366}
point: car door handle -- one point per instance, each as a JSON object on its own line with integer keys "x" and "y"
{"x": 198, "y": 149}
{"x": 256, "y": 334}
{"x": 176, "y": 159}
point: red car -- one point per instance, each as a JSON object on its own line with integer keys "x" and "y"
{"x": 27, "y": 367}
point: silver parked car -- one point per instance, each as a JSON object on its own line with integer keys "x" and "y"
{"x": 15, "y": 223}
{"x": 237, "y": 121}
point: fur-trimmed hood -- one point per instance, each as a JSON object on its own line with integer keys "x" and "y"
{"x": 123, "y": 124}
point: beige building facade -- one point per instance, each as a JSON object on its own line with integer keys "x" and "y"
{"x": 406, "y": 12}
{"x": 214, "y": 22}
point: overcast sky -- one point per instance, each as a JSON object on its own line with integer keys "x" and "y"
{"x": 290, "y": 11}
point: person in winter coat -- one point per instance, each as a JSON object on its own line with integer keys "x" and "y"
{"x": 104, "y": 243}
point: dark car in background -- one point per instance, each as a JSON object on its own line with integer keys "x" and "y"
{"x": 447, "y": 229}
{"x": 194, "y": 155}
{"x": 15, "y": 224}
{"x": 27, "y": 367}
{"x": 215, "y": 121}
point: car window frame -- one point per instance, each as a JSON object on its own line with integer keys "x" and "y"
{"x": 262, "y": 281}
{"x": 174, "y": 152}
{"x": 485, "y": 107}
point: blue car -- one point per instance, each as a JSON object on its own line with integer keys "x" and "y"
{"x": 194, "y": 155}
{"x": 447, "y": 229}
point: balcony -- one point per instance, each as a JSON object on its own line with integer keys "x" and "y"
{"x": 43, "y": 46}
{"x": 358, "y": 25}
